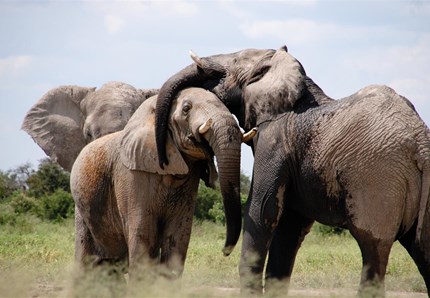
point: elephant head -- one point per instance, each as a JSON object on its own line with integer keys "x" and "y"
{"x": 66, "y": 118}
{"x": 199, "y": 127}
{"x": 255, "y": 85}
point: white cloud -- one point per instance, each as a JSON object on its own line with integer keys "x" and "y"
{"x": 119, "y": 14}
{"x": 14, "y": 65}
{"x": 301, "y": 31}
{"x": 142, "y": 9}
{"x": 404, "y": 67}
{"x": 178, "y": 7}
{"x": 404, "y": 63}
{"x": 113, "y": 24}
{"x": 234, "y": 9}
{"x": 416, "y": 89}
{"x": 297, "y": 31}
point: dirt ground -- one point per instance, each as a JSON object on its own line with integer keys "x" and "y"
{"x": 222, "y": 292}
{"x": 59, "y": 291}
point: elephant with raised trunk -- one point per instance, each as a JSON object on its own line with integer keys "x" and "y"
{"x": 361, "y": 162}
{"x": 129, "y": 208}
{"x": 68, "y": 117}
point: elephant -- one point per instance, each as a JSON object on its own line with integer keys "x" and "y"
{"x": 360, "y": 162}
{"x": 130, "y": 209}
{"x": 67, "y": 118}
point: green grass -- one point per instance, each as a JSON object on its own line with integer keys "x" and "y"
{"x": 36, "y": 259}
{"x": 335, "y": 262}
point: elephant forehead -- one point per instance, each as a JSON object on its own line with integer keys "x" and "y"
{"x": 193, "y": 93}
{"x": 201, "y": 100}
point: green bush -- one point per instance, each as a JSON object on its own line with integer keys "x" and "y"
{"x": 7, "y": 214}
{"x": 21, "y": 203}
{"x": 47, "y": 179}
{"x": 56, "y": 206}
{"x": 206, "y": 198}
{"x": 52, "y": 207}
{"x": 216, "y": 213}
{"x": 209, "y": 204}
{"x": 324, "y": 230}
{"x": 7, "y": 185}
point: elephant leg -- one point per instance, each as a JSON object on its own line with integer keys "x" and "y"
{"x": 259, "y": 225}
{"x": 88, "y": 257}
{"x": 264, "y": 209}
{"x": 85, "y": 247}
{"x": 375, "y": 253}
{"x": 253, "y": 256}
{"x": 419, "y": 251}
{"x": 287, "y": 239}
{"x": 174, "y": 246}
{"x": 143, "y": 248}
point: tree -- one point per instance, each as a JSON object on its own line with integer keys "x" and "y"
{"x": 15, "y": 180}
{"x": 7, "y": 185}
{"x": 47, "y": 179}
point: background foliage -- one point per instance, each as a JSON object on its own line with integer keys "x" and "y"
{"x": 45, "y": 193}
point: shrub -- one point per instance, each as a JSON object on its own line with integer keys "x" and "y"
{"x": 7, "y": 214}
{"x": 206, "y": 198}
{"x": 56, "y": 206}
{"x": 328, "y": 230}
{"x": 21, "y": 203}
{"x": 216, "y": 213}
{"x": 47, "y": 179}
{"x": 7, "y": 185}
{"x": 209, "y": 204}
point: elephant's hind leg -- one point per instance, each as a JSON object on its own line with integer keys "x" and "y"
{"x": 375, "y": 253}
{"x": 420, "y": 252}
{"x": 85, "y": 248}
{"x": 287, "y": 239}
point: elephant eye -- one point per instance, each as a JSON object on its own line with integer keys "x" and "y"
{"x": 186, "y": 108}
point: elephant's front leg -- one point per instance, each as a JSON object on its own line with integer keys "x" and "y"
{"x": 264, "y": 209}
{"x": 175, "y": 240}
{"x": 144, "y": 247}
{"x": 287, "y": 239}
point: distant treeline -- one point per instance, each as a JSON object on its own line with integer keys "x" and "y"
{"x": 45, "y": 193}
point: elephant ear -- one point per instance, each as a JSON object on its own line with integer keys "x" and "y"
{"x": 275, "y": 85}
{"x": 138, "y": 147}
{"x": 54, "y": 123}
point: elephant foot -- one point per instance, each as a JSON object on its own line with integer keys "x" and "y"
{"x": 275, "y": 287}
{"x": 371, "y": 289}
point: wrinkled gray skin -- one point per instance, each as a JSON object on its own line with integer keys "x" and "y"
{"x": 67, "y": 118}
{"x": 129, "y": 209}
{"x": 362, "y": 163}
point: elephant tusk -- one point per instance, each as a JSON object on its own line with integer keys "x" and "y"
{"x": 205, "y": 126}
{"x": 195, "y": 58}
{"x": 249, "y": 135}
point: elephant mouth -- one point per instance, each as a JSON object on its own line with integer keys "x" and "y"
{"x": 199, "y": 149}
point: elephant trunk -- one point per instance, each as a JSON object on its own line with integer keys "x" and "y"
{"x": 225, "y": 141}
{"x": 190, "y": 76}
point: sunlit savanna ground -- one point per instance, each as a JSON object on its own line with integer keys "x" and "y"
{"x": 36, "y": 260}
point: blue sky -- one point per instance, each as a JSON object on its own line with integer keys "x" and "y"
{"x": 343, "y": 45}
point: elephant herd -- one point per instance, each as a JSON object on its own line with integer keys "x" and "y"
{"x": 136, "y": 157}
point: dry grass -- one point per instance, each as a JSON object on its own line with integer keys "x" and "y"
{"x": 36, "y": 260}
